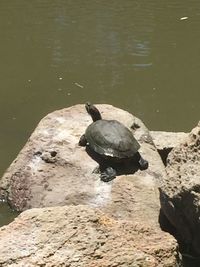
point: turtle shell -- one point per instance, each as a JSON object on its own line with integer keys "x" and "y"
{"x": 111, "y": 138}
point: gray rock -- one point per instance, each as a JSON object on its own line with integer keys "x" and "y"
{"x": 180, "y": 191}
{"x": 52, "y": 170}
{"x": 80, "y": 236}
{"x": 165, "y": 141}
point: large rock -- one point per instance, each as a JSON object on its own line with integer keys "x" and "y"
{"x": 180, "y": 192}
{"x": 166, "y": 141}
{"x": 52, "y": 170}
{"x": 80, "y": 236}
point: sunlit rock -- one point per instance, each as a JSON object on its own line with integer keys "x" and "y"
{"x": 180, "y": 192}
{"x": 165, "y": 141}
{"x": 53, "y": 170}
{"x": 80, "y": 236}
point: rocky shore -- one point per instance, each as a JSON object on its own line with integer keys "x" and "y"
{"x": 72, "y": 218}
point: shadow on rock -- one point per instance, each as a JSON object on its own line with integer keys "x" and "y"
{"x": 122, "y": 166}
{"x": 189, "y": 256}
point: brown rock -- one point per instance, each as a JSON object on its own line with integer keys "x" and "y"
{"x": 80, "y": 236}
{"x": 52, "y": 170}
{"x": 166, "y": 141}
{"x": 180, "y": 192}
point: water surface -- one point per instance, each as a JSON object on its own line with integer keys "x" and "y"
{"x": 6, "y": 215}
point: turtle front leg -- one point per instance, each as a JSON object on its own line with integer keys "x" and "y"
{"x": 108, "y": 174}
{"x": 144, "y": 164}
{"x": 82, "y": 141}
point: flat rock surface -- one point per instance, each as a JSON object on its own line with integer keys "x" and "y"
{"x": 167, "y": 140}
{"x": 80, "y": 236}
{"x": 180, "y": 192}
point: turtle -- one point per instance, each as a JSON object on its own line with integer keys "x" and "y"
{"x": 112, "y": 142}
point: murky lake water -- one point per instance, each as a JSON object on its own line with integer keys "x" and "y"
{"x": 140, "y": 55}
{"x": 6, "y": 214}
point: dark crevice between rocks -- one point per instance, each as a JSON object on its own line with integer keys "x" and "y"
{"x": 190, "y": 258}
{"x": 164, "y": 154}
{"x": 165, "y": 224}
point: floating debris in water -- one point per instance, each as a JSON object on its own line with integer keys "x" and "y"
{"x": 143, "y": 65}
{"x": 69, "y": 94}
{"x": 183, "y": 18}
{"x": 60, "y": 78}
{"x": 79, "y": 85}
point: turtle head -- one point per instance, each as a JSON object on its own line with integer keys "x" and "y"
{"x": 93, "y": 111}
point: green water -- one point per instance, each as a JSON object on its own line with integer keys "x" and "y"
{"x": 6, "y": 214}
{"x": 140, "y": 55}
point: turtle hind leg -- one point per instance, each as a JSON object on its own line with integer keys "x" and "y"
{"x": 143, "y": 163}
{"x": 82, "y": 141}
{"x": 108, "y": 174}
